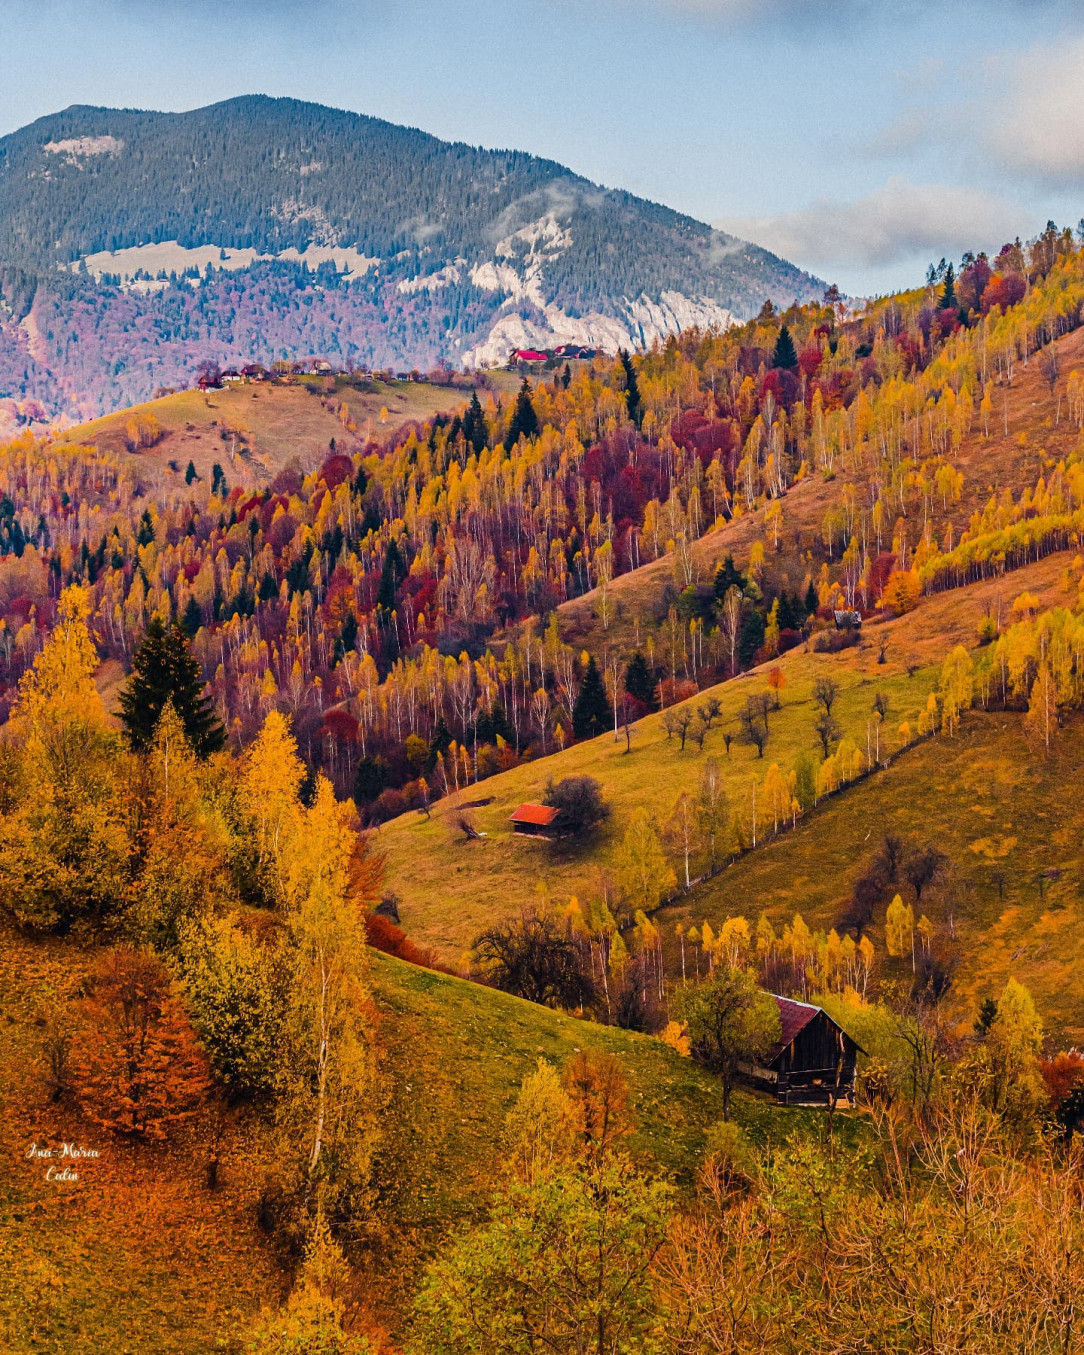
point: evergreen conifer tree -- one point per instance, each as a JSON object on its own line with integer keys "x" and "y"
{"x": 348, "y": 636}
{"x": 566, "y": 377}
{"x": 726, "y": 577}
{"x": 190, "y": 473}
{"x": 146, "y": 529}
{"x": 812, "y": 602}
{"x": 192, "y": 619}
{"x": 785, "y": 355}
{"x": 751, "y": 638}
{"x": 524, "y": 418}
{"x": 389, "y": 577}
{"x": 370, "y": 778}
{"x": 164, "y": 669}
{"x": 632, "y": 389}
{"x": 475, "y": 431}
{"x": 948, "y": 294}
{"x": 638, "y": 681}
{"x": 591, "y": 713}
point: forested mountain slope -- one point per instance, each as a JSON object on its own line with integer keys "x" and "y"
{"x": 838, "y": 768}
{"x": 267, "y": 228}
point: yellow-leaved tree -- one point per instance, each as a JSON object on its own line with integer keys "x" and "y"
{"x": 1012, "y": 1047}
{"x": 900, "y": 929}
{"x": 644, "y": 876}
{"x": 327, "y": 1102}
{"x": 63, "y": 830}
{"x": 59, "y": 691}
{"x": 181, "y": 844}
{"x": 957, "y": 688}
{"x": 271, "y": 780}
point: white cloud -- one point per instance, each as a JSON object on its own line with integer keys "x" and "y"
{"x": 1035, "y": 117}
{"x": 893, "y": 224}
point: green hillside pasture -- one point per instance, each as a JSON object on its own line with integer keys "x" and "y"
{"x": 1011, "y": 822}
{"x": 451, "y": 889}
{"x": 456, "y": 1056}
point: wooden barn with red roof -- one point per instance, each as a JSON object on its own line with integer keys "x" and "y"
{"x": 533, "y": 820}
{"x": 813, "y": 1061}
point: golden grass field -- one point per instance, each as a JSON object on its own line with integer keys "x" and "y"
{"x": 282, "y": 423}
{"x": 1009, "y": 819}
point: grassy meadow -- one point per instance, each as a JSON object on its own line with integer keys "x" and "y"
{"x": 1009, "y": 821}
{"x": 281, "y": 423}
{"x": 450, "y": 888}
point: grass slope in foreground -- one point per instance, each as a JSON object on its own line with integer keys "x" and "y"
{"x": 140, "y": 1256}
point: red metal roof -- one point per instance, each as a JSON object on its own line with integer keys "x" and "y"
{"x": 540, "y": 815}
{"x": 793, "y": 1019}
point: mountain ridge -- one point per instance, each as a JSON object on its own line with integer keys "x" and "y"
{"x": 375, "y": 244}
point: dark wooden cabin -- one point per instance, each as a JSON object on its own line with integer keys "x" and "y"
{"x": 814, "y": 1060}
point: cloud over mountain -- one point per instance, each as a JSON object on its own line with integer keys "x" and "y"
{"x": 895, "y": 223}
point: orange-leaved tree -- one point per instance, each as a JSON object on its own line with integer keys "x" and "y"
{"x": 138, "y": 1068}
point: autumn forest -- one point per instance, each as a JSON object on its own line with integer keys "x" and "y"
{"x": 587, "y": 860}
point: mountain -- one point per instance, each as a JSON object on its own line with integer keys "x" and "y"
{"x": 134, "y": 244}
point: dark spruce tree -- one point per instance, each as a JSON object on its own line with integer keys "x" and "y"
{"x": 811, "y": 601}
{"x": 639, "y": 682}
{"x": 751, "y": 637}
{"x": 475, "y": 432}
{"x": 591, "y": 713}
{"x": 948, "y": 293}
{"x": 727, "y": 577}
{"x": 192, "y": 618}
{"x": 348, "y": 636}
{"x": 164, "y": 669}
{"x": 785, "y": 355}
{"x": 524, "y": 418}
{"x": 370, "y": 778}
{"x": 390, "y": 575}
{"x": 632, "y": 389}
{"x": 190, "y": 473}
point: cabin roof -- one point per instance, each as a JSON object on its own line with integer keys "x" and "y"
{"x": 539, "y": 815}
{"x": 794, "y": 1016}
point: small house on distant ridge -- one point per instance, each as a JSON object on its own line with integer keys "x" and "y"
{"x": 813, "y": 1061}
{"x": 533, "y": 820}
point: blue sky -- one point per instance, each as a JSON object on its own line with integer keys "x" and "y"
{"x": 860, "y": 138}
